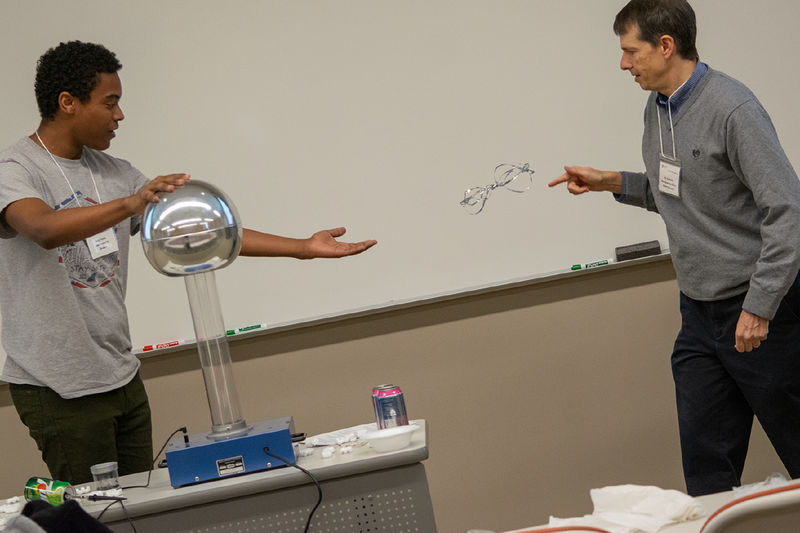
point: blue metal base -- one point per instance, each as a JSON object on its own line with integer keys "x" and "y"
{"x": 205, "y": 459}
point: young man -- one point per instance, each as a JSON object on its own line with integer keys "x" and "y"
{"x": 67, "y": 211}
{"x": 730, "y": 198}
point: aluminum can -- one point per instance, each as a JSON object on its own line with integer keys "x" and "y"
{"x": 375, "y": 390}
{"x": 52, "y": 491}
{"x": 390, "y": 406}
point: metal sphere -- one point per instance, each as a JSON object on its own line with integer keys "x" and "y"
{"x": 194, "y": 229}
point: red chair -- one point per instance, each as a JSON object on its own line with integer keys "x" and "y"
{"x": 768, "y": 511}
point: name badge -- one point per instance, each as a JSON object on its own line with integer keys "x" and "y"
{"x": 103, "y": 243}
{"x": 669, "y": 176}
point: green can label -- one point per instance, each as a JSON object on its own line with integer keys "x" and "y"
{"x": 52, "y": 491}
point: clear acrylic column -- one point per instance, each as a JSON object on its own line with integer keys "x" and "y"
{"x": 215, "y": 357}
{"x": 191, "y": 232}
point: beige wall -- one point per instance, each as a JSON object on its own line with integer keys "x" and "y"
{"x": 534, "y": 394}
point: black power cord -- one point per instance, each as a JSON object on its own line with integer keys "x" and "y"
{"x": 155, "y": 460}
{"x": 309, "y": 474}
{"x": 124, "y": 510}
{"x": 149, "y": 473}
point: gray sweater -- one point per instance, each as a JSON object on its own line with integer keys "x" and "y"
{"x": 736, "y": 226}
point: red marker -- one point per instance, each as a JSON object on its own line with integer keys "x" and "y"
{"x": 162, "y": 345}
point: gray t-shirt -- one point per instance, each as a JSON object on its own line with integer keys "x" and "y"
{"x": 65, "y": 325}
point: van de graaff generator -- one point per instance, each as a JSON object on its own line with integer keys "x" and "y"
{"x": 190, "y": 233}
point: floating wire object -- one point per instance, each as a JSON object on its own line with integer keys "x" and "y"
{"x": 515, "y": 178}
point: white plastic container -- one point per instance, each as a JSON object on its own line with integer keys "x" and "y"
{"x": 105, "y": 476}
{"x": 390, "y": 439}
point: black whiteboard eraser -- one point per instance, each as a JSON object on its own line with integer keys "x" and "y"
{"x": 635, "y": 251}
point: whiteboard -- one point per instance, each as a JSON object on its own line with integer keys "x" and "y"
{"x": 376, "y": 115}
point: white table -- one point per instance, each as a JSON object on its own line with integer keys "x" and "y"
{"x": 362, "y": 491}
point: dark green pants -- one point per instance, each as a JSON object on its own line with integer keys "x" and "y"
{"x": 75, "y": 434}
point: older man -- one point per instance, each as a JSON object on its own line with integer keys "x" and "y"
{"x": 730, "y": 199}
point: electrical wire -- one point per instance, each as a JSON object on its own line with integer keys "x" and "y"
{"x": 124, "y": 510}
{"x": 149, "y": 473}
{"x": 310, "y": 475}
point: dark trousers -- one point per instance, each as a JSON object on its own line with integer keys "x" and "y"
{"x": 77, "y": 433}
{"x": 718, "y": 390}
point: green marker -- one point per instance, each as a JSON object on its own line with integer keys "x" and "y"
{"x": 251, "y": 328}
{"x": 245, "y": 329}
{"x": 593, "y": 264}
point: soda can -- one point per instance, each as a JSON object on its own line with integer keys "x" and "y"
{"x": 375, "y": 390}
{"x": 390, "y": 406}
{"x": 52, "y": 491}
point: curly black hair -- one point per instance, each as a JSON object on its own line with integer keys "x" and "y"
{"x": 72, "y": 67}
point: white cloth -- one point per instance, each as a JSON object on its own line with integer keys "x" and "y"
{"x": 636, "y": 509}
{"x": 773, "y": 480}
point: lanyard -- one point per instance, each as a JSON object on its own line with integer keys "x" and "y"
{"x": 671, "y": 127}
{"x": 103, "y": 243}
{"x": 64, "y": 174}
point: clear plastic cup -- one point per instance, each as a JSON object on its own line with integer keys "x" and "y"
{"x": 105, "y": 476}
